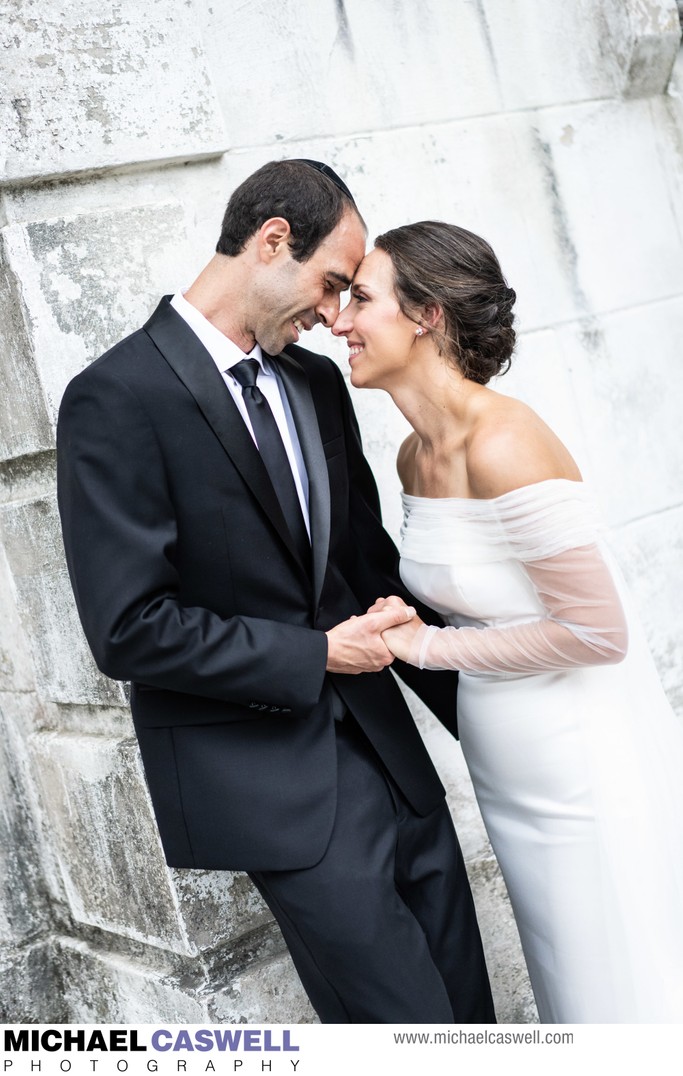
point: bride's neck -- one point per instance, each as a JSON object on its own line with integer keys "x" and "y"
{"x": 438, "y": 406}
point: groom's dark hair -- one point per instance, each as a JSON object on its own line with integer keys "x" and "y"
{"x": 307, "y": 194}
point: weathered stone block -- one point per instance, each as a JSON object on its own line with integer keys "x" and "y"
{"x": 24, "y": 910}
{"x": 31, "y": 986}
{"x": 102, "y": 987}
{"x": 650, "y": 552}
{"x": 363, "y": 67}
{"x": 64, "y": 669}
{"x": 675, "y": 87}
{"x": 16, "y": 672}
{"x": 541, "y": 376}
{"x": 24, "y": 421}
{"x": 652, "y": 46}
{"x": 86, "y": 282}
{"x": 266, "y": 991}
{"x": 572, "y": 56}
{"x": 367, "y": 67}
{"x": 585, "y": 51}
{"x": 95, "y": 799}
{"x": 215, "y": 906}
{"x": 81, "y": 87}
{"x": 104, "y": 837}
{"x": 627, "y": 381}
{"x": 619, "y": 219}
{"x": 21, "y": 715}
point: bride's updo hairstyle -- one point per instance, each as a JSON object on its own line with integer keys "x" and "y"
{"x": 440, "y": 264}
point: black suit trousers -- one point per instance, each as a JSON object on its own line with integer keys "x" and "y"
{"x": 382, "y": 929}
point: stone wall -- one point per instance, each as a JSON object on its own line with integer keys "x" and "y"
{"x": 554, "y": 130}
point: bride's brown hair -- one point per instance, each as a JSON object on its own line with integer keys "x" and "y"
{"x": 438, "y": 264}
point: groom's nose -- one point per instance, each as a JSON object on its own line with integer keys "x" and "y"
{"x": 327, "y": 310}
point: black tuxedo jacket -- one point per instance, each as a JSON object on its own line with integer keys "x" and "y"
{"x": 188, "y": 584}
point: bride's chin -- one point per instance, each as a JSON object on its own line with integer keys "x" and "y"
{"x": 361, "y": 376}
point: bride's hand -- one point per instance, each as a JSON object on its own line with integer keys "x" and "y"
{"x": 392, "y": 600}
{"x": 399, "y": 639}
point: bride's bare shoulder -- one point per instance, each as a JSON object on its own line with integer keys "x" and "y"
{"x": 405, "y": 461}
{"x": 511, "y": 446}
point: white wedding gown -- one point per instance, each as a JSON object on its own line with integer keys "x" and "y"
{"x": 577, "y": 765}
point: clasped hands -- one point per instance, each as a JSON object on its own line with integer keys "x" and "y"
{"x": 370, "y": 642}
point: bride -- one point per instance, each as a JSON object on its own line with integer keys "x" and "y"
{"x": 575, "y": 755}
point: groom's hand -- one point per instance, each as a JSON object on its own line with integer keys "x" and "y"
{"x": 356, "y": 645}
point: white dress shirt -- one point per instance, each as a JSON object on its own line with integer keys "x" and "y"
{"x": 225, "y": 354}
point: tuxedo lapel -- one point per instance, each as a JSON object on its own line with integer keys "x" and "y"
{"x": 306, "y": 420}
{"x": 190, "y": 360}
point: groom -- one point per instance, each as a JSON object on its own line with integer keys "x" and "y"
{"x": 223, "y": 537}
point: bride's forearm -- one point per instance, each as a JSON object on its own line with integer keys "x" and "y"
{"x": 540, "y": 646}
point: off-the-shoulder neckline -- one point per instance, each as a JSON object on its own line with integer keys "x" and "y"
{"x": 577, "y": 485}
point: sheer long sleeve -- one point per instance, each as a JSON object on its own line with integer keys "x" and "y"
{"x": 584, "y": 625}
{"x": 546, "y": 537}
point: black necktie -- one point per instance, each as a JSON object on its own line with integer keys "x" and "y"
{"x": 273, "y": 453}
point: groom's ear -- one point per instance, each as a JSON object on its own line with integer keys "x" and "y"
{"x": 272, "y": 238}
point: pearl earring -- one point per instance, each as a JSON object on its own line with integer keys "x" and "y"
{"x": 419, "y": 331}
